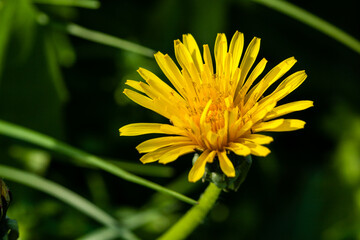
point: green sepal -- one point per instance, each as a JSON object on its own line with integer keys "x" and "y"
{"x": 214, "y": 174}
{"x": 9, "y": 229}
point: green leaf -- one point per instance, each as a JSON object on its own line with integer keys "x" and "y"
{"x": 64, "y": 195}
{"x": 18, "y": 132}
{"x": 313, "y": 21}
{"x": 92, "y": 4}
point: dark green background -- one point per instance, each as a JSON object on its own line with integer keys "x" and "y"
{"x": 71, "y": 89}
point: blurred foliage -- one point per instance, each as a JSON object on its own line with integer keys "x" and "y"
{"x": 69, "y": 85}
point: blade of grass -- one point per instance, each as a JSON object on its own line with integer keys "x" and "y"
{"x": 313, "y": 21}
{"x": 103, "y": 38}
{"x": 92, "y": 4}
{"x": 18, "y": 132}
{"x": 65, "y": 195}
{"x": 95, "y": 36}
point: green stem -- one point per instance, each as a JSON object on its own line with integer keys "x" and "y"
{"x": 18, "y": 132}
{"x": 187, "y": 224}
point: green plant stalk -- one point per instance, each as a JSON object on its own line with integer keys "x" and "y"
{"x": 187, "y": 224}
{"x": 18, "y": 132}
{"x": 313, "y": 21}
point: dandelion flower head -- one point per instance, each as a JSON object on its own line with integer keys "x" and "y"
{"x": 214, "y": 107}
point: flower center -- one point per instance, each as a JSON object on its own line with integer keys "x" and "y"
{"x": 220, "y": 102}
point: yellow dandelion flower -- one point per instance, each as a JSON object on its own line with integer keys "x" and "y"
{"x": 214, "y": 108}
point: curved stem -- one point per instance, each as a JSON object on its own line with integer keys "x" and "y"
{"x": 187, "y": 224}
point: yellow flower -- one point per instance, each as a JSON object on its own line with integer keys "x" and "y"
{"x": 213, "y": 112}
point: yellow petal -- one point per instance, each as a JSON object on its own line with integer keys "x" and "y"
{"x": 242, "y": 90}
{"x": 227, "y": 72}
{"x": 156, "y": 143}
{"x": 239, "y": 149}
{"x": 225, "y": 164}
{"x": 289, "y": 108}
{"x": 211, "y": 138}
{"x": 198, "y": 169}
{"x": 146, "y": 102}
{"x": 244, "y": 129}
{"x": 207, "y": 58}
{"x": 167, "y": 154}
{"x": 284, "y": 126}
{"x": 259, "y": 139}
{"x": 289, "y": 125}
{"x": 153, "y": 156}
{"x": 262, "y": 111}
{"x": 249, "y": 58}
{"x": 136, "y": 129}
{"x": 175, "y": 153}
{"x": 171, "y": 71}
{"x": 155, "y": 82}
{"x": 205, "y": 112}
{"x": 257, "y": 149}
{"x": 134, "y": 84}
{"x": 278, "y": 71}
{"x": 265, "y": 126}
{"x": 194, "y": 51}
{"x": 186, "y": 62}
{"x": 236, "y": 48}
{"x": 220, "y": 50}
{"x": 287, "y": 86}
